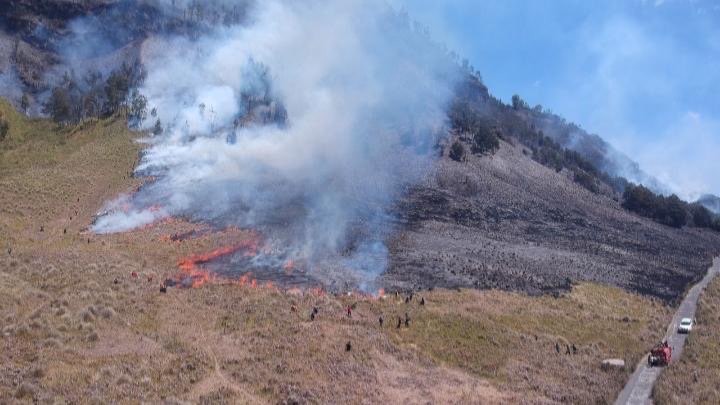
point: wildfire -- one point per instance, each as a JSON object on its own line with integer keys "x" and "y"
{"x": 192, "y": 275}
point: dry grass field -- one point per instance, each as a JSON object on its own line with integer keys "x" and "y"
{"x": 696, "y": 377}
{"x": 76, "y": 326}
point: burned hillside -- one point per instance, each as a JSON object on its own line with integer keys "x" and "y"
{"x": 513, "y": 220}
{"x": 455, "y": 188}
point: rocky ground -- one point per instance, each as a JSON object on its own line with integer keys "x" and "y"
{"x": 507, "y": 222}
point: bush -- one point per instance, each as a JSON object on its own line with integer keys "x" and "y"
{"x": 519, "y": 104}
{"x": 701, "y": 216}
{"x": 586, "y": 180}
{"x": 671, "y": 211}
{"x": 485, "y": 140}
{"x": 467, "y": 120}
{"x": 157, "y": 129}
{"x": 58, "y": 106}
{"x": 4, "y": 128}
{"x": 640, "y": 200}
{"x": 457, "y": 152}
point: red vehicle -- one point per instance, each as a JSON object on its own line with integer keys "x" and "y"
{"x": 660, "y": 355}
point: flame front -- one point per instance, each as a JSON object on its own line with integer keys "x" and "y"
{"x": 192, "y": 275}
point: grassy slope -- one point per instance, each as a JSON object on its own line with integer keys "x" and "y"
{"x": 75, "y": 325}
{"x": 696, "y": 377}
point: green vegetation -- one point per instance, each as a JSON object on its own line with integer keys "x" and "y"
{"x": 671, "y": 211}
{"x": 77, "y": 99}
{"x": 457, "y": 152}
{"x": 482, "y": 132}
{"x": 4, "y": 128}
{"x": 519, "y": 104}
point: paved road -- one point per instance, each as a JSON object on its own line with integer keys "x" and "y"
{"x": 638, "y": 389}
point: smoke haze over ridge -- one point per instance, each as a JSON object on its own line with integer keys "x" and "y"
{"x": 305, "y": 123}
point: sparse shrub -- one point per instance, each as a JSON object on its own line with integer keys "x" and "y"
{"x": 138, "y": 109}
{"x": 519, "y": 104}
{"x": 4, "y": 128}
{"x": 25, "y": 103}
{"x": 467, "y": 120}
{"x": 671, "y": 211}
{"x": 58, "y": 105}
{"x": 157, "y": 129}
{"x": 584, "y": 179}
{"x": 701, "y": 216}
{"x": 640, "y": 200}
{"x": 457, "y": 152}
{"x": 485, "y": 140}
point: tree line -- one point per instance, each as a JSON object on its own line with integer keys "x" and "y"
{"x": 76, "y": 99}
{"x": 671, "y": 210}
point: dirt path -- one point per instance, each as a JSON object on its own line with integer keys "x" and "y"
{"x": 638, "y": 389}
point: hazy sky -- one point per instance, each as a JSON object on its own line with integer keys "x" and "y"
{"x": 645, "y": 75}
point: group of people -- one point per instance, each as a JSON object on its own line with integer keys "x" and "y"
{"x": 569, "y": 349}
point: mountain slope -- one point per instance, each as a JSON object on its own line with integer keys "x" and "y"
{"x": 506, "y": 221}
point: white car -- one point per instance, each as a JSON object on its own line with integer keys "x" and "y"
{"x": 685, "y": 326}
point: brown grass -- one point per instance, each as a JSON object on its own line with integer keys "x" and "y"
{"x": 696, "y": 377}
{"x": 75, "y": 326}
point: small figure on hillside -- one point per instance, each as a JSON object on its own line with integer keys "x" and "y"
{"x": 64, "y": 231}
{"x": 88, "y": 241}
{"x": 380, "y": 320}
{"x": 557, "y": 347}
{"x": 349, "y": 311}
{"x": 348, "y": 346}
{"x": 567, "y": 349}
{"x": 407, "y": 320}
{"x": 399, "y": 322}
{"x": 422, "y": 300}
{"x": 9, "y": 251}
{"x": 574, "y": 349}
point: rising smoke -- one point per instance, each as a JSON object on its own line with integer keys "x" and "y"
{"x": 306, "y": 123}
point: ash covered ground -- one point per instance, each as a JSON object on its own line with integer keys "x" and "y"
{"x": 509, "y": 223}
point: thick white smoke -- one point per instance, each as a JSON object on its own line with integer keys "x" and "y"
{"x": 351, "y": 104}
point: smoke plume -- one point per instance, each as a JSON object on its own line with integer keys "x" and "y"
{"x": 305, "y": 123}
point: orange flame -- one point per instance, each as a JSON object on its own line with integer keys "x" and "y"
{"x": 197, "y": 276}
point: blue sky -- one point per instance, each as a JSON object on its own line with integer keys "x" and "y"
{"x": 643, "y": 74}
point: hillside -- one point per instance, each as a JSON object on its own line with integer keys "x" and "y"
{"x": 84, "y": 318}
{"x": 530, "y": 217}
{"x": 506, "y": 221}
